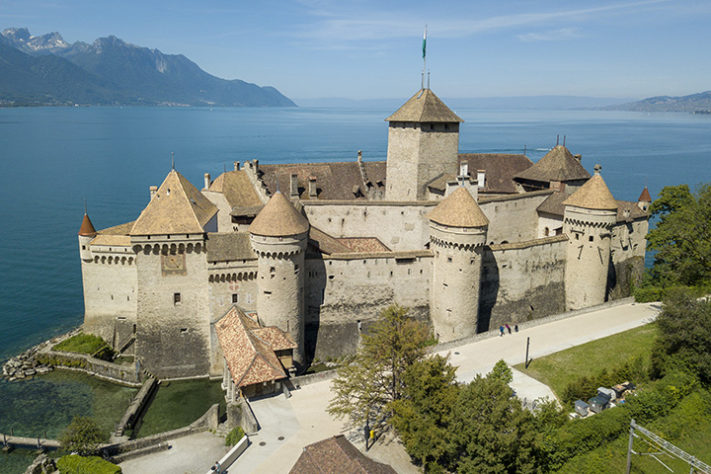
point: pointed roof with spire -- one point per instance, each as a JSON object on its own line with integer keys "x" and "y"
{"x": 459, "y": 209}
{"x": 279, "y": 218}
{"x": 559, "y": 164}
{"x": 424, "y": 106}
{"x": 594, "y": 194}
{"x": 645, "y": 197}
{"x": 177, "y": 208}
{"x": 87, "y": 228}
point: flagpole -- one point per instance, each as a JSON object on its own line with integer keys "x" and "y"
{"x": 424, "y": 57}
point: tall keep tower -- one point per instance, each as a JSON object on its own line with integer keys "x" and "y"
{"x": 457, "y": 236}
{"x": 423, "y": 142}
{"x": 279, "y": 234}
{"x": 590, "y": 214}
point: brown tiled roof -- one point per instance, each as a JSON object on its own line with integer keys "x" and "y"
{"x": 557, "y": 165}
{"x": 634, "y": 211}
{"x": 116, "y": 235}
{"x": 237, "y": 189}
{"x": 645, "y": 197}
{"x": 364, "y": 244}
{"x": 459, "y": 209}
{"x": 500, "y": 169}
{"x": 337, "y": 455}
{"x": 554, "y": 204}
{"x": 87, "y": 228}
{"x": 275, "y": 338}
{"x": 229, "y": 247}
{"x": 177, "y": 208}
{"x": 121, "y": 229}
{"x": 424, "y": 106}
{"x": 326, "y": 243}
{"x": 594, "y": 194}
{"x": 249, "y": 358}
{"x": 334, "y": 181}
{"x": 278, "y": 219}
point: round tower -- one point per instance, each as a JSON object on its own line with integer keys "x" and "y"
{"x": 590, "y": 214}
{"x": 457, "y": 236}
{"x": 86, "y": 234}
{"x": 279, "y": 234}
{"x": 645, "y": 200}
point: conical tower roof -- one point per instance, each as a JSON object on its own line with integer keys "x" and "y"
{"x": 645, "y": 197}
{"x": 459, "y": 209}
{"x": 279, "y": 218}
{"x": 559, "y": 164}
{"x": 177, "y": 208}
{"x": 424, "y": 106}
{"x": 87, "y": 228}
{"x": 593, "y": 195}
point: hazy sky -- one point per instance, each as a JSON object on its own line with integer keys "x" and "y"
{"x": 372, "y": 49}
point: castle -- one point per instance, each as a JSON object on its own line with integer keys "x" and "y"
{"x": 466, "y": 241}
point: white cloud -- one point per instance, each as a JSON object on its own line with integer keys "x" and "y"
{"x": 555, "y": 35}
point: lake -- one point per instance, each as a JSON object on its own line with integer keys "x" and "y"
{"x": 51, "y": 159}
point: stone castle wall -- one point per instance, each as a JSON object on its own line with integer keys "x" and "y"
{"x": 110, "y": 293}
{"x": 345, "y": 293}
{"x": 521, "y": 282}
{"x": 512, "y": 218}
{"x": 173, "y": 338}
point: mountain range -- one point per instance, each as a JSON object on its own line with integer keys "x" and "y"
{"x": 47, "y": 70}
{"x": 700, "y": 102}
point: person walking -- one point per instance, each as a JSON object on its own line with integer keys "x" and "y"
{"x": 508, "y": 328}
{"x": 501, "y": 330}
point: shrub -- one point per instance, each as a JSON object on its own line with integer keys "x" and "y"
{"x": 82, "y": 436}
{"x": 74, "y": 464}
{"x": 234, "y": 436}
{"x": 81, "y": 343}
{"x": 648, "y": 294}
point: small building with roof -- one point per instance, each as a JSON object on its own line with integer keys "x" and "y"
{"x": 336, "y": 455}
{"x": 222, "y": 281}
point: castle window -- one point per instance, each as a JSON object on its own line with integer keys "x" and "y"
{"x": 183, "y": 330}
{"x": 449, "y": 259}
{"x": 176, "y": 298}
{"x": 235, "y": 298}
{"x": 577, "y": 236}
{"x": 267, "y": 292}
{"x": 83, "y": 247}
{"x": 591, "y": 238}
{"x": 296, "y": 269}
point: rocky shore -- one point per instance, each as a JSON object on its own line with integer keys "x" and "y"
{"x": 24, "y": 366}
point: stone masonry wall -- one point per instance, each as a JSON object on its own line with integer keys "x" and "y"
{"x": 513, "y": 218}
{"x": 521, "y": 282}
{"x": 344, "y": 294}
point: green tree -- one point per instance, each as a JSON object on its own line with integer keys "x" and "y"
{"x": 682, "y": 236}
{"x": 82, "y": 436}
{"x": 365, "y": 388}
{"x": 502, "y": 372}
{"x": 684, "y": 336}
{"x": 422, "y": 417}
{"x": 491, "y": 431}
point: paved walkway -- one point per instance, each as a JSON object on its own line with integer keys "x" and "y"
{"x": 309, "y": 403}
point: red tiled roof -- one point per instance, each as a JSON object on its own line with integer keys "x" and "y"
{"x": 337, "y": 455}
{"x": 87, "y": 228}
{"x": 500, "y": 169}
{"x": 645, "y": 197}
{"x": 364, "y": 244}
{"x": 250, "y": 358}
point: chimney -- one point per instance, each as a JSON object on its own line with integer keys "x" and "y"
{"x": 578, "y": 157}
{"x": 481, "y": 178}
{"x": 207, "y": 180}
{"x": 255, "y": 164}
{"x": 463, "y": 168}
{"x": 312, "y": 188}
{"x": 236, "y": 164}
{"x": 294, "y": 186}
{"x": 360, "y": 156}
{"x": 451, "y": 186}
{"x": 153, "y": 190}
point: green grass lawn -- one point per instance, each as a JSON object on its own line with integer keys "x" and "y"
{"x": 178, "y": 404}
{"x": 81, "y": 343}
{"x": 559, "y": 369}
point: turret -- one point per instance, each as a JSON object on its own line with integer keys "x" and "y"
{"x": 590, "y": 214}
{"x": 457, "y": 236}
{"x": 279, "y": 234}
{"x": 644, "y": 200}
{"x": 423, "y": 143}
{"x": 86, "y": 234}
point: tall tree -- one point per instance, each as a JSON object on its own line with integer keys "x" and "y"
{"x": 422, "y": 417}
{"x": 365, "y": 388}
{"x": 682, "y": 235}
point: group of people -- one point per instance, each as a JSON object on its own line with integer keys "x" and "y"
{"x": 507, "y": 328}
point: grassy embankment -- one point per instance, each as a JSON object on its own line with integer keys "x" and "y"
{"x": 687, "y": 426}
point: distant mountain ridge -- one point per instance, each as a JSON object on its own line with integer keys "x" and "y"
{"x": 700, "y": 102}
{"x": 46, "y": 70}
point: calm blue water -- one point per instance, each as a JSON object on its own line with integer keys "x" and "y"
{"x": 53, "y": 158}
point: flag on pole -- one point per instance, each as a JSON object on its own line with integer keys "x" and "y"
{"x": 424, "y": 43}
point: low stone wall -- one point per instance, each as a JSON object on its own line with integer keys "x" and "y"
{"x": 116, "y": 373}
{"x": 232, "y": 454}
{"x": 137, "y": 406}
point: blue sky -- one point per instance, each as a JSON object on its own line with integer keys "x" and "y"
{"x": 372, "y": 49}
